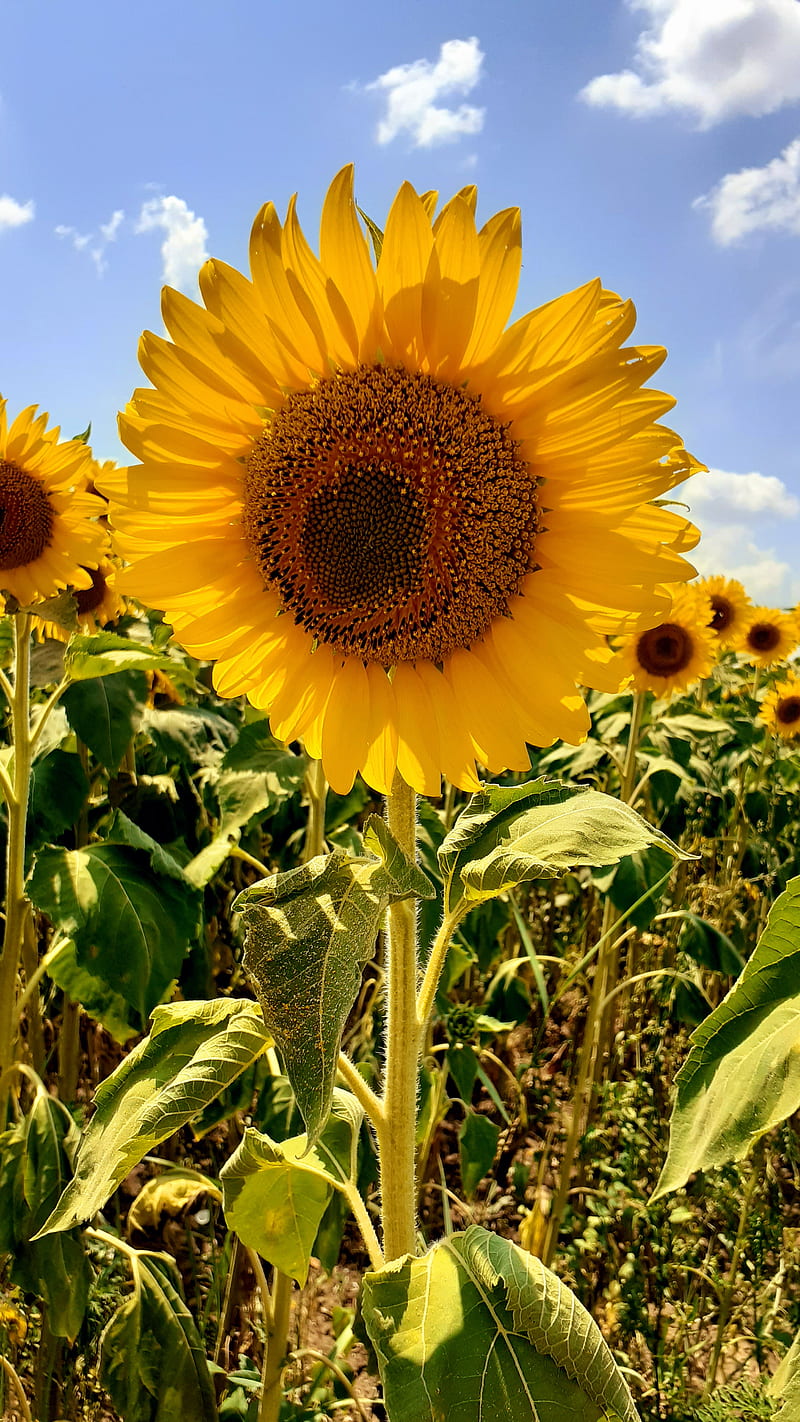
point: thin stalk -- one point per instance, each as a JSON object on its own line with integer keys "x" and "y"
{"x": 332, "y": 1366}
{"x": 49, "y": 706}
{"x": 17, "y": 906}
{"x": 362, "y": 1219}
{"x": 434, "y": 965}
{"x": 277, "y": 1307}
{"x": 317, "y": 792}
{"x": 373, "y": 1108}
{"x": 397, "y": 1132}
{"x": 730, "y": 1287}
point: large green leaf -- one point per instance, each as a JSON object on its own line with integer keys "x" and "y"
{"x": 478, "y": 1330}
{"x": 35, "y": 1167}
{"x": 152, "y": 1361}
{"x": 307, "y": 936}
{"x": 95, "y": 995}
{"x": 59, "y": 788}
{"x": 257, "y": 774}
{"x": 127, "y": 906}
{"x": 784, "y": 1385}
{"x": 101, "y": 654}
{"x": 195, "y": 1050}
{"x": 106, "y": 712}
{"x": 742, "y": 1075}
{"x": 275, "y": 1194}
{"x": 507, "y": 835}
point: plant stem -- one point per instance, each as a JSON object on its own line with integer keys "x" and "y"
{"x": 277, "y": 1307}
{"x": 13, "y": 1377}
{"x": 317, "y": 792}
{"x": 730, "y": 1287}
{"x": 397, "y": 1132}
{"x": 17, "y": 906}
{"x": 373, "y": 1109}
{"x": 434, "y": 965}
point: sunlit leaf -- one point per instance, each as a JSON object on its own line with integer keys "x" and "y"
{"x": 307, "y": 935}
{"x": 195, "y": 1050}
{"x": 478, "y": 1330}
{"x": 742, "y": 1075}
{"x": 100, "y": 654}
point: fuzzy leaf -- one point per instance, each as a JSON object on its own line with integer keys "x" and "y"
{"x": 478, "y": 1330}
{"x": 508, "y": 835}
{"x": 742, "y": 1075}
{"x": 195, "y": 1050}
{"x": 308, "y": 934}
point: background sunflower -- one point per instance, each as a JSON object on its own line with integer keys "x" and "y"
{"x": 730, "y": 607}
{"x": 767, "y": 636}
{"x": 670, "y": 656}
{"x": 780, "y": 709}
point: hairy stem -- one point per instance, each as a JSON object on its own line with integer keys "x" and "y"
{"x": 277, "y": 1306}
{"x": 17, "y": 906}
{"x": 397, "y": 1132}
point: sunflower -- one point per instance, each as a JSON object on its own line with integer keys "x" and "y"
{"x": 97, "y": 605}
{"x": 780, "y": 708}
{"x": 673, "y": 654}
{"x": 397, "y": 524}
{"x": 49, "y": 537}
{"x": 730, "y": 607}
{"x": 767, "y": 636}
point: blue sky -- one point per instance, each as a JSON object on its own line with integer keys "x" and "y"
{"x": 655, "y": 143}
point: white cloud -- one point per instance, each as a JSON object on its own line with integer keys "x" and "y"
{"x": 91, "y": 242}
{"x": 739, "y": 515}
{"x": 183, "y": 250}
{"x": 13, "y": 213}
{"x": 412, "y": 91}
{"x": 714, "y": 59}
{"x": 725, "y": 493}
{"x": 756, "y": 199}
{"x": 110, "y": 229}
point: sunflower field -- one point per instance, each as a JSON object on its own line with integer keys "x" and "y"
{"x": 400, "y": 984}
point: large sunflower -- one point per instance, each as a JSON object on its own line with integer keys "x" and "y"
{"x": 49, "y": 537}
{"x": 730, "y": 607}
{"x": 399, "y": 526}
{"x": 767, "y": 636}
{"x": 675, "y": 653}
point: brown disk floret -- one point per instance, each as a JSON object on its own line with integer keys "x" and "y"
{"x": 665, "y": 650}
{"x": 26, "y": 517}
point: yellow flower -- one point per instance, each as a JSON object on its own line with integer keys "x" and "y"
{"x": 767, "y": 636}
{"x": 48, "y": 534}
{"x": 730, "y": 607}
{"x": 399, "y": 526}
{"x": 97, "y": 605}
{"x": 780, "y": 709}
{"x": 670, "y": 656}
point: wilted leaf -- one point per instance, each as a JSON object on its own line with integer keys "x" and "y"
{"x": 152, "y": 1360}
{"x": 195, "y": 1049}
{"x": 168, "y": 1194}
{"x": 308, "y": 934}
{"x": 478, "y": 1330}
{"x": 507, "y": 835}
{"x": 742, "y": 1075}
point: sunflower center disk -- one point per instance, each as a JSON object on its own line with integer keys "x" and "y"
{"x": 391, "y": 513}
{"x": 764, "y": 637}
{"x": 26, "y": 517}
{"x": 723, "y": 611}
{"x": 664, "y": 650}
{"x": 90, "y": 598}
{"x": 788, "y": 710}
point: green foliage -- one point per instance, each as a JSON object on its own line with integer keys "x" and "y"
{"x": 477, "y": 1144}
{"x": 307, "y": 935}
{"x": 477, "y": 1330}
{"x": 152, "y": 1359}
{"x": 742, "y": 1076}
{"x": 194, "y": 1051}
{"x": 105, "y": 712}
{"x": 100, "y": 654}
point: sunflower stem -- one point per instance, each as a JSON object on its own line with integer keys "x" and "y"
{"x": 397, "y": 1132}
{"x": 17, "y": 906}
{"x": 317, "y": 792}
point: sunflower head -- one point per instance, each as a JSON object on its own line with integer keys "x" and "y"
{"x": 730, "y": 607}
{"x": 49, "y": 535}
{"x": 676, "y": 652}
{"x": 97, "y": 606}
{"x": 767, "y": 636}
{"x": 780, "y": 709}
{"x": 400, "y": 525}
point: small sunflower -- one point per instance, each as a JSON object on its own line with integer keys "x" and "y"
{"x": 675, "y": 653}
{"x": 780, "y": 708}
{"x": 730, "y": 607}
{"x": 400, "y": 526}
{"x": 97, "y": 605}
{"x": 767, "y": 636}
{"x": 49, "y": 534}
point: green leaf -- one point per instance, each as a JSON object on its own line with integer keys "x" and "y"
{"x": 103, "y": 653}
{"x": 61, "y": 609}
{"x": 275, "y": 1194}
{"x": 307, "y": 935}
{"x": 742, "y": 1075}
{"x": 784, "y": 1385}
{"x": 95, "y": 995}
{"x": 58, "y": 791}
{"x": 631, "y": 885}
{"x": 35, "y": 1167}
{"x": 477, "y": 1143}
{"x": 478, "y": 1330}
{"x": 106, "y": 712}
{"x": 507, "y": 835}
{"x": 131, "y": 914}
{"x": 152, "y": 1360}
{"x": 190, "y": 735}
{"x": 195, "y": 1050}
